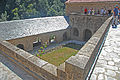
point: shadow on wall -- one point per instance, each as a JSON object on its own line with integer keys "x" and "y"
{"x": 65, "y": 36}
{"x": 75, "y": 32}
{"x": 67, "y": 19}
{"x": 21, "y": 46}
{"x": 87, "y": 34}
{"x": 37, "y": 42}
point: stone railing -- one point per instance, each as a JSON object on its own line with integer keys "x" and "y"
{"x": 78, "y": 66}
{"x": 75, "y": 68}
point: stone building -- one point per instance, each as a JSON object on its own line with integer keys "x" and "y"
{"x": 79, "y": 5}
{"x": 25, "y": 33}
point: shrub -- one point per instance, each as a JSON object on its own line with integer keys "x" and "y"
{"x": 37, "y": 55}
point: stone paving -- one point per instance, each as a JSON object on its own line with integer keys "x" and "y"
{"x": 108, "y": 63}
{"x": 7, "y": 74}
{"x": 10, "y": 71}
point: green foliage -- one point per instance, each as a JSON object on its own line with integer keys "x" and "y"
{"x": 39, "y": 51}
{"x": 45, "y": 45}
{"x": 40, "y": 54}
{"x": 4, "y": 16}
{"x": 37, "y": 55}
{"x": 41, "y": 48}
{"x": 52, "y": 37}
{"x": 22, "y": 9}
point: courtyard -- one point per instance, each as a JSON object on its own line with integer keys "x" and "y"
{"x": 58, "y": 53}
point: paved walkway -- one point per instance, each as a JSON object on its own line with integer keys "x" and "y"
{"x": 108, "y": 64}
{"x": 10, "y": 71}
{"x": 7, "y": 74}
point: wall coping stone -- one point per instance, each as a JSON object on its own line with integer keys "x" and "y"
{"x": 50, "y": 68}
{"x": 84, "y": 59}
{"x": 78, "y": 60}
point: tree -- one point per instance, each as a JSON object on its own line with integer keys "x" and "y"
{"x": 22, "y": 9}
{"x": 56, "y": 9}
{"x": 52, "y": 12}
{"x": 16, "y": 15}
{"x": 42, "y": 7}
{"x": 4, "y": 16}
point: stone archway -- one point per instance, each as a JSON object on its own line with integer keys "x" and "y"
{"x": 21, "y": 46}
{"x": 37, "y": 42}
{"x": 65, "y": 36}
{"x": 87, "y": 35}
{"x": 52, "y": 39}
{"x": 75, "y": 32}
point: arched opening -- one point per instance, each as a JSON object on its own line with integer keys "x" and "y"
{"x": 75, "y": 32}
{"x": 52, "y": 39}
{"x": 65, "y": 36}
{"x": 87, "y": 35}
{"x": 21, "y": 46}
{"x": 37, "y": 42}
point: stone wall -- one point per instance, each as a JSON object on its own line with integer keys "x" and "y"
{"x": 75, "y": 68}
{"x": 44, "y": 37}
{"x": 79, "y": 65}
{"x": 80, "y": 6}
{"x": 79, "y": 22}
{"x": 85, "y": 22}
{"x": 41, "y": 67}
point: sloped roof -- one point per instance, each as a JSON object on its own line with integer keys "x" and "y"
{"x": 21, "y": 28}
{"x": 90, "y": 0}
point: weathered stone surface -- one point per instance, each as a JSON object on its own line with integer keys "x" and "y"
{"x": 111, "y": 63}
{"x": 100, "y": 77}
{"x": 76, "y": 66}
{"x": 93, "y": 77}
{"x": 110, "y": 78}
{"x": 21, "y": 28}
{"x": 102, "y": 61}
{"x": 49, "y": 72}
{"x": 7, "y": 74}
{"x": 87, "y": 50}
{"x": 37, "y": 61}
{"x": 99, "y": 70}
{"x": 50, "y": 68}
{"x": 110, "y": 73}
{"x": 61, "y": 72}
{"x": 78, "y": 60}
{"x": 110, "y": 55}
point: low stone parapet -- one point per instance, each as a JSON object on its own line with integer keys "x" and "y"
{"x": 38, "y": 66}
{"x": 75, "y": 68}
{"x": 78, "y": 66}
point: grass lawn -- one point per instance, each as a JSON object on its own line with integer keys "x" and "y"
{"x": 59, "y": 56}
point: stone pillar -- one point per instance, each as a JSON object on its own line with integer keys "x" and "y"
{"x": 28, "y": 46}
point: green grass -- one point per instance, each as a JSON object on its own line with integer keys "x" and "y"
{"x": 59, "y": 56}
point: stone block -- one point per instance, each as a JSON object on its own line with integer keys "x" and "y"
{"x": 87, "y": 50}
{"x": 94, "y": 40}
{"x": 50, "y": 72}
{"x": 61, "y": 72}
{"x": 7, "y": 48}
{"x": 76, "y": 65}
